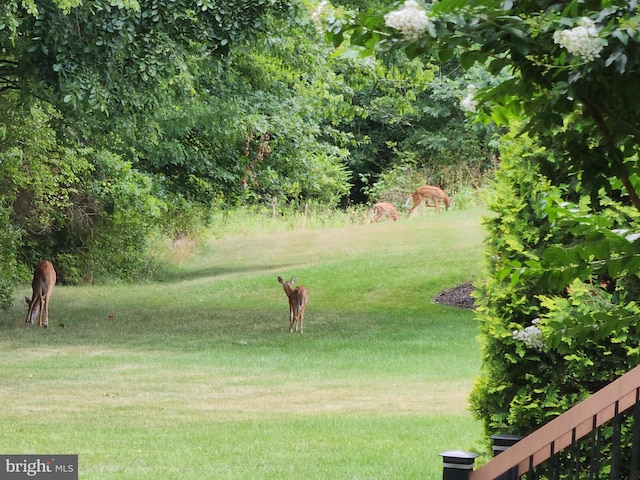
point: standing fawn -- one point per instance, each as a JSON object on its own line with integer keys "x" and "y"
{"x": 384, "y": 209}
{"x": 297, "y": 303}
{"x": 428, "y": 193}
{"x": 44, "y": 279}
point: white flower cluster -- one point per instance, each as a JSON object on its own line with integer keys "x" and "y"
{"x": 582, "y": 40}
{"x": 531, "y": 336}
{"x": 411, "y": 20}
{"x": 320, "y": 11}
{"x": 469, "y": 103}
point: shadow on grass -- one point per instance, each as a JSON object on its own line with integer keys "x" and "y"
{"x": 175, "y": 275}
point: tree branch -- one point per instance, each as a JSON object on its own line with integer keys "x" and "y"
{"x": 8, "y": 69}
{"x": 596, "y": 113}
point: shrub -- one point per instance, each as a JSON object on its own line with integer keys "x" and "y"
{"x": 105, "y": 235}
{"x": 87, "y": 211}
{"x": 8, "y": 247}
{"x": 557, "y": 311}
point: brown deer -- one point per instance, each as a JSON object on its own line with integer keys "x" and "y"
{"x": 384, "y": 209}
{"x": 297, "y": 303}
{"x": 428, "y": 193}
{"x": 44, "y": 279}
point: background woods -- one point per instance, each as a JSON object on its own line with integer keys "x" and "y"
{"x": 128, "y": 119}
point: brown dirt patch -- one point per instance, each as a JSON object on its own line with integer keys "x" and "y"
{"x": 458, "y": 296}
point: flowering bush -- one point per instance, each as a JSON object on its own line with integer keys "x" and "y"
{"x": 411, "y": 20}
{"x": 582, "y": 40}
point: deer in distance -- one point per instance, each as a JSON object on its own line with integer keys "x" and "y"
{"x": 297, "y": 303}
{"x": 425, "y": 194}
{"x": 384, "y": 209}
{"x": 44, "y": 279}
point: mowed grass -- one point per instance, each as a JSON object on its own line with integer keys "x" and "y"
{"x": 197, "y": 377}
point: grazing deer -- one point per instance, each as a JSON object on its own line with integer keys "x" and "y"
{"x": 297, "y": 303}
{"x": 428, "y": 193}
{"x": 44, "y": 279}
{"x": 384, "y": 209}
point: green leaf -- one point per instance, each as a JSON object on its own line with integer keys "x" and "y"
{"x": 614, "y": 267}
{"x": 468, "y": 59}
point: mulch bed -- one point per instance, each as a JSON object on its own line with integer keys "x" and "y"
{"x": 459, "y": 296}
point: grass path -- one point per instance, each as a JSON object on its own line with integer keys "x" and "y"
{"x": 196, "y": 376}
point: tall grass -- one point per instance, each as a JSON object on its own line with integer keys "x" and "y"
{"x": 195, "y": 375}
{"x": 255, "y": 220}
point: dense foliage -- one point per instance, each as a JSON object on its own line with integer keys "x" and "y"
{"x": 558, "y": 312}
{"x": 112, "y": 56}
{"x": 407, "y": 128}
{"x": 558, "y": 309}
{"x": 68, "y": 203}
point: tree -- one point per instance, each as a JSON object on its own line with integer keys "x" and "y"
{"x": 111, "y": 56}
{"x": 173, "y": 87}
{"x": 254, "y": 129}
{"x": 407, "y": 115}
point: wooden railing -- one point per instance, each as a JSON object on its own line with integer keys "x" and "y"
{"x": 566, "y": 430}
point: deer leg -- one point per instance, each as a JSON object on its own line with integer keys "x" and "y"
{"x": 292, "y": 320}
{"x": 30, "y": 311}
{"x": 415, "y": 205}
{"x": 44, "y": 312}
{"x": 42, "y": 307}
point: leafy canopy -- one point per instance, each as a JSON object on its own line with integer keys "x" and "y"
{"x": 109, "y": 56}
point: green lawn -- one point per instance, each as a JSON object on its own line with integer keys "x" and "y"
{"x": 196, "y": 376}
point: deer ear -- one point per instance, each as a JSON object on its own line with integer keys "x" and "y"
{"x": 293, "y": 280}
{"x": 28, "y": 300}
